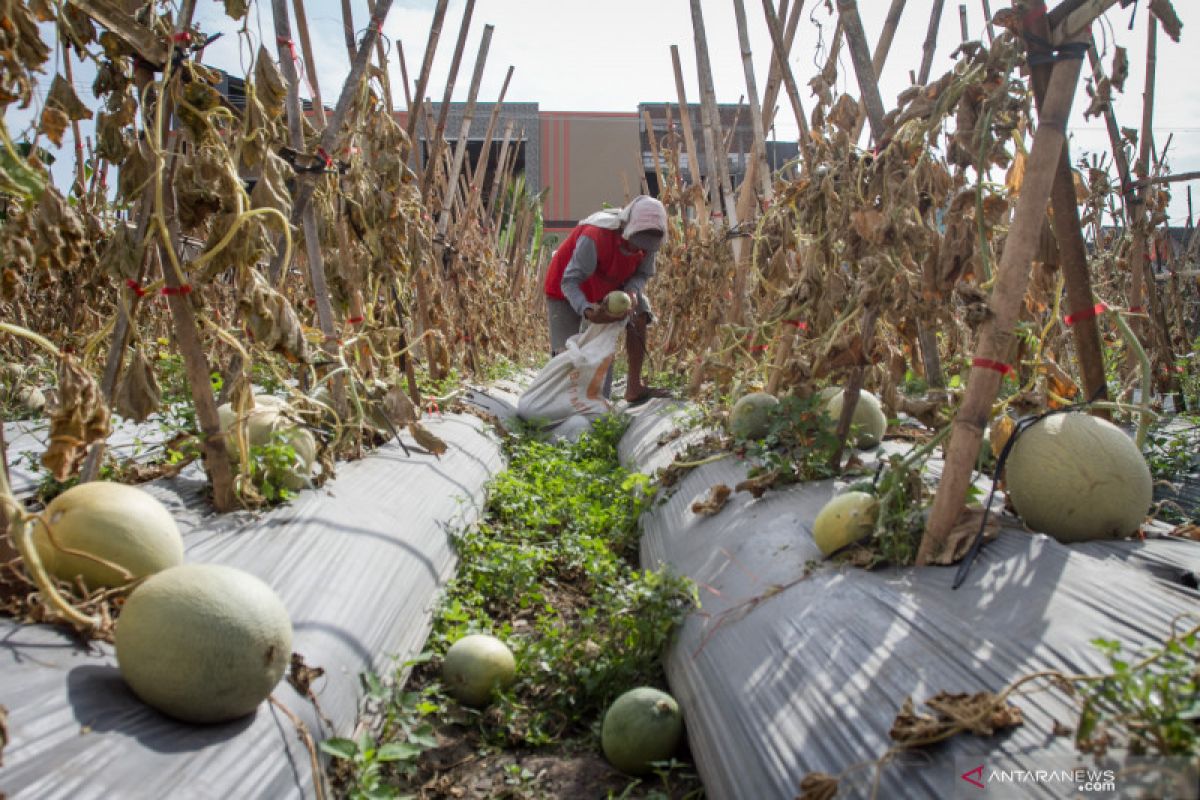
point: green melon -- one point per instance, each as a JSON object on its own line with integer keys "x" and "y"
{"x": 476, "y": 666}
{"x": 751, "y": 415}
{"x": 642, "y": 726}
{"x": 617, "y": 302}
{"x": 269, "y": 415}
{"x": 869, "y": 418}
{"x": 845, "y": 519}
{"x": 119, "y": 523}
{"x": 203, "y": 642}
{"x": 1077, "y": 477}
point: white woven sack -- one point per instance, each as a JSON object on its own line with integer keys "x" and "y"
{"x": 572, "y": 383}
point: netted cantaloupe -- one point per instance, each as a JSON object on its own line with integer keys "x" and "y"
{"x": 475, "y": 667}
{"x": 1077, "y": 477}
{"x": 641, "y": 726}
{"x": 203, "y": 642}
{"x": 869, "y": 419}
{"x": 750, "y": 417}
{"x": 617, "y": 302}
{"x": 270, "y": 416}
{"x": 121, "y": 524}
{"x": 845, "y": 519}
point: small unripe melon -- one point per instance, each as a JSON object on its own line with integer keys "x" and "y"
{"x": 844, "y": 520}
{"x": 476, "y": 666}
{"x": 1077, "y": 477}
{"x": 268, "y": 416}
{"x": 641, "y": 726}
{"x": 617, "y": 302}
{"x": 119, "y": 523}
{"x": 751, "y": 415}
{"x": 868, "y": 418}
{"x": 203, "y": 642}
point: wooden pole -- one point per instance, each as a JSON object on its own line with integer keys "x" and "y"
{"x": 443, "y": 111}
{"x": 464, "y": 130}
{"x": 416, "y": 107}
{"x": 882, "y": 48}
{"x": 860, "y": 55}
{"x": 310, "y": 63}
{"x": 485, "y": 153}
{"x": 689, "y": 141}
{"x": 962, "y": 23}
{"x": 775, "y": 74}
{"x": 408, "y": 100}
{"x": 997, "y": 333}
{"x": 501, "y": 168}
{"x": 720, "y": 190}
{"x": 348, "y": 27}
{"x": 652, "y": 139}
{"x": 1073, "y": 256}
{"x": 930, "y": 46}
{"x": 758, "y": 151}
{"x": 384, "y": 72}
{"x": 779, "y": 50}
{"x": 987, "y": 17}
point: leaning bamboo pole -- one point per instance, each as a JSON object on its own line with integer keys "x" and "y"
{"x": 930, "y": 45}
{"x": 1141, "y": 168}
{"x": 775, "y": 74}
{"x": 464, "y": 130}
{"x": 310, "y": 63}
{"x": 435, "y": 146}
{"x": 721, "y": 192}
{"x": 501, "y": 167}
{"x": 780, "y": 50}
{"x": 384, "y": 73}
{"x": 485, "y": 153}
{"x": 882, "y": 48}
{"x": 997, "y": 333}
{"x": 416, "y": 107}
{"x": 758, "y": 152}
{"x": 689, "y": 142}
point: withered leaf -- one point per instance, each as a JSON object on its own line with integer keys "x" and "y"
{"x": 62, "y": 96}
{"x": 818, "y": 786}
{"x": 138, "y": 396}
{"x": 79, "y": 418}
{"x": 712, "y": 504}
{"x": 426, "y": 439}
{"x": 1165, "y": 11}
{"x": 1120, "y": 68}
{"x": 53, "y": 123}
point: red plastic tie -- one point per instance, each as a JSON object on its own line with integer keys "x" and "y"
{"x": 355, "y": 320}
{"x": 758, "y": 348}
{"x": 327, "y": 158}
{"x": 312, "y": 301}
{"x": 1086, "y": 314}
{"x": 291, "y": 46}
{"x": 995, "y": 366}
{"x": 181, "y": 291}
{"x": 135, "y": 287}
{"x": 1137, "y": 310}
{"x": 797, "y": 323}
{"x": 183, "y": 37}
{"x": 432, "y": 407}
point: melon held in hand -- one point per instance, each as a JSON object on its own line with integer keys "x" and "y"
{"x": 1077, "y": 477}
{"x": 617, "y": 302}
{"x": 203, "y": 642}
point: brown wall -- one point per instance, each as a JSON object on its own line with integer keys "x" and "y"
{"x": 583, "y": 156}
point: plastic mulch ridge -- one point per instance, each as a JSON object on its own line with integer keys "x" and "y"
{"x": 780, "y": 677}
{"x": 357, "y": 563}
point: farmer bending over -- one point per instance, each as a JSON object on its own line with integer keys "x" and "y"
{"x": 607, "y": 251}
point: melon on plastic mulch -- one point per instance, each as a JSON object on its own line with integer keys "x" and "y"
{"x": 868, "y": 418}
{"x": 269, "y": 416}
{"x": 1077, "y": 477}
{"x": 641, "y": 726}
{"x": 617, "y": 302}
{"x": 203, "y": 642}
{"x": 476, "y": 666}
{"x": 751, "y": 415}
{"x": 121, "y": 524}
{"x": 844, "y": 520}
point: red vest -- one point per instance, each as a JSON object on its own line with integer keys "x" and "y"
{"x": 613, "y": 267}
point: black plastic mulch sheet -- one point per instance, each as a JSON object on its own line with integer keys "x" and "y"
{"x": 358, "y": 564}
{"x": 779, "y": 677}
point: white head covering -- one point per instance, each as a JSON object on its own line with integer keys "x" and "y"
{"x": 644, "y": 213}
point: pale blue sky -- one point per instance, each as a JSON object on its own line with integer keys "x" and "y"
{"x": 575, "y": 55}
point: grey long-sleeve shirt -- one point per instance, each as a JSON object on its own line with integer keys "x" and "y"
{"x": 583, "y": 264}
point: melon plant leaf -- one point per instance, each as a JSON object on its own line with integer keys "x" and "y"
{"x": 398, "y": 751}
{"x": 339, "y": 748}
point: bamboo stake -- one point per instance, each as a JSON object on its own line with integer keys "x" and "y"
{"x": 485, "y": 154}
{"x": 418, "y": 97}
{"x": 348, "y": 27}
{"x": 775, "y": 74}
{"x": 304, "y": 184}
{"x": 927, "y": 49}
{"x": 717, "y": 165}
{"x": 464, "y": 130}
{"x": 758, "y": 153}
{"x": 76, "y": 135}
{"x": 962, "y": 23}
{"x": 1141, "y": 168}
{"x": 1073, "y": 252}
{"x": 501, "y": 167}
{"x": 689, "y": 142}
{"x": 385, "y": 75}
{"x": 780, "y": 51}
{"x": 987, "y": 17}
{"x": 997, "y": 334}
{"x": 408, "y": 99}
{"x": 444, "y": 111}
{"x": 310, "y": 63}
{"x": 654, "y": 153}
{"x": 860, "y": 54}
{"x": 882, "y": 48}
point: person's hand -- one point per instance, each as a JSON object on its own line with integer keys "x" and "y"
{"x": 600, "y": 315}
